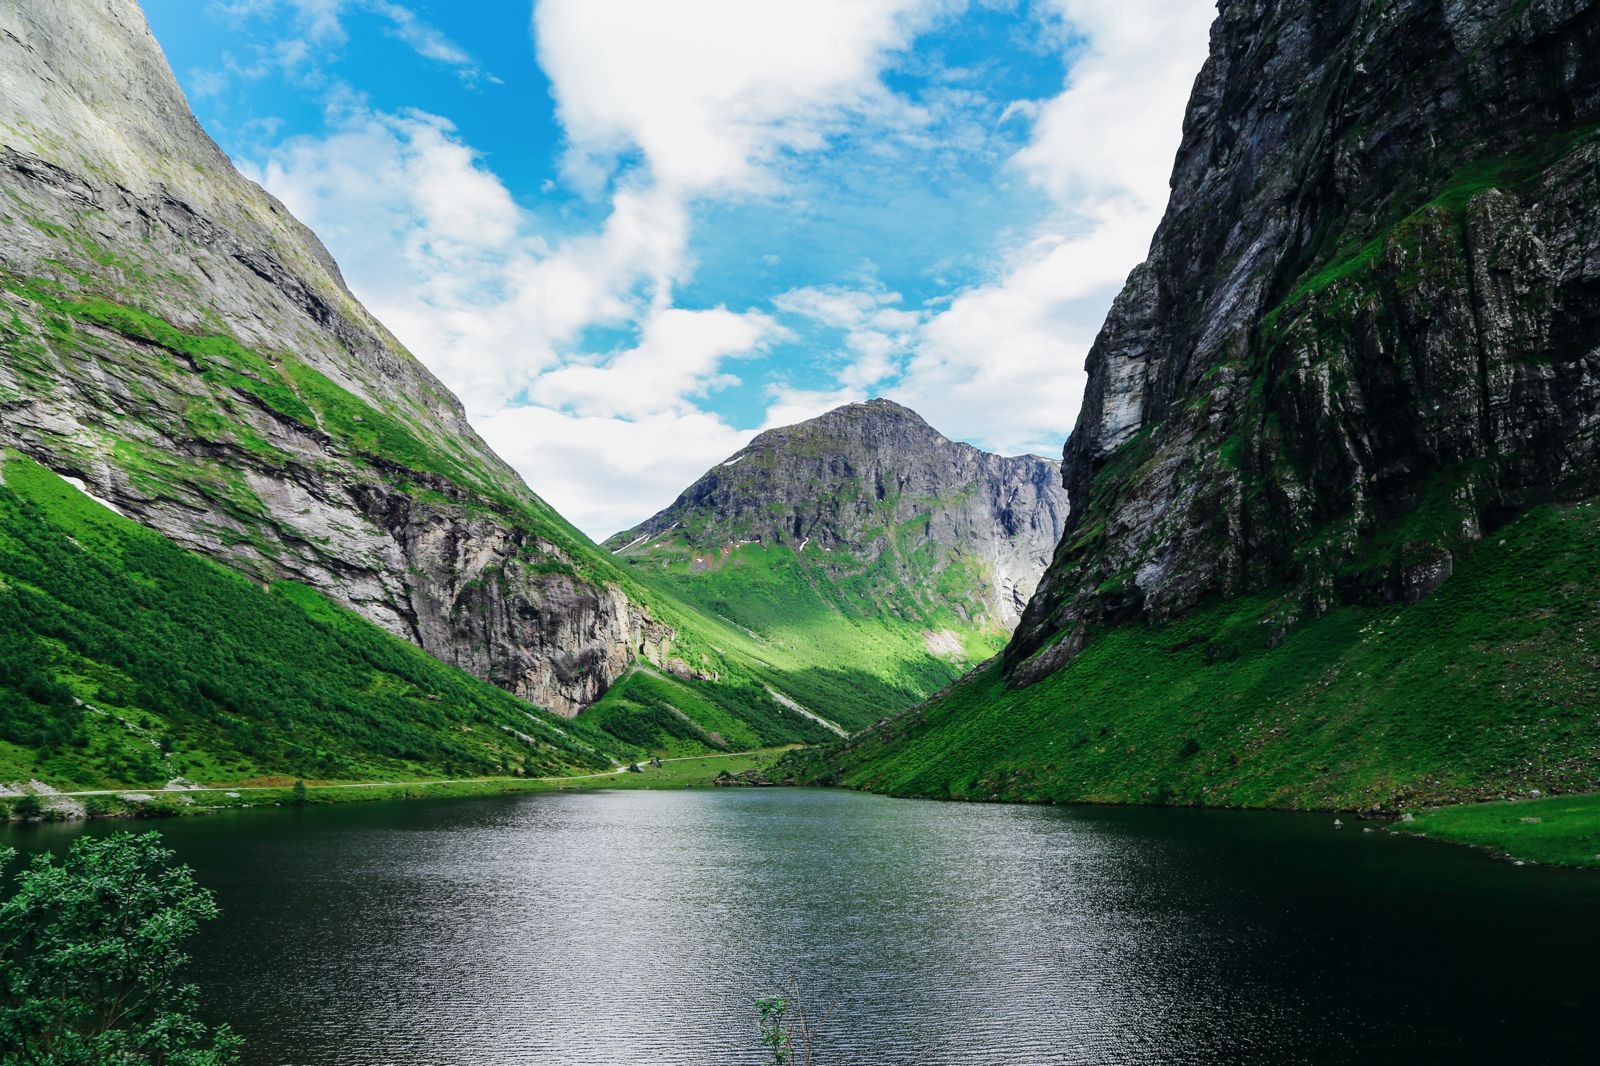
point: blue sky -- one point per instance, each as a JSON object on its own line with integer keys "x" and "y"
{"x": 632, "y": 233}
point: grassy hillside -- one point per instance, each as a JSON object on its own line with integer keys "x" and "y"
{"x": 125, "y": 660}
{"x": 242, "y": 383}
{"x": 819, "y": 627}
{"x": 1489, "y": 687}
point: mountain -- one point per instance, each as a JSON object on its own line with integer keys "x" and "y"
{"x": 126, "y": 660}
{"x": 1330, "y": 541}
{"x": 936, "y": 530}
{"x": 864, "y": 540}
{"x": 177, "y": 342}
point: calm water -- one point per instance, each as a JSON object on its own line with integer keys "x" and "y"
{"x": 638, "y": 927}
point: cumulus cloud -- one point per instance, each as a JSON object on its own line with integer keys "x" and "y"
{"x": 710, "y": 92}
{"x": 876, "y": 331}
{"x": 607, "y": 474}
{"x": 1002, "y": 363}
{"x": 668, "y": 106}
{"x": 679, "y": 357}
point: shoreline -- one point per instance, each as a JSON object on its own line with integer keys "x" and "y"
{"x": 677, "y": 772}
{"x": 1561, "y": 831}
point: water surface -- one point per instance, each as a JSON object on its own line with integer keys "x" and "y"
{"x": 639, "y": 927}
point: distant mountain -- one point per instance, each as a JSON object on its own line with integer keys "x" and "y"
{"x": 866, "y": 536}
{"x": 1334, "y": 483}
{"x": 884, "y": 507}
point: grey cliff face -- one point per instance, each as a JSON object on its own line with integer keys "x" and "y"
{"x": 174, "y": 337}
{"x": 1369, "y": 327}
{"x": 873, "y": 479}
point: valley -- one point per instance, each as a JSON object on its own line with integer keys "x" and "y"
{"x": 1264, "y": 724}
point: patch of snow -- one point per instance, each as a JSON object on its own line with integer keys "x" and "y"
{"x": 630, "y": 544}
{"x": 83, "y": 487}
{"x": 732, "y": 462}
{"x": 802, "y": 547}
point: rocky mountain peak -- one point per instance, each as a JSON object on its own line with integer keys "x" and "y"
{"x": 872, "y": 481}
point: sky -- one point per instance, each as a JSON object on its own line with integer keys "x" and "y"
{"x": 631, "y": 234}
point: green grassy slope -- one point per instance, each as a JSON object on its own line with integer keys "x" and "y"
{"x": 125, "y": 660}
{"x": 1490, "y": 686}
{"x": 237, "y": 383}
{"x": 817, "y": 627}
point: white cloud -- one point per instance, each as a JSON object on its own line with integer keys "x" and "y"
{"x": 1002, "y": 363}
{"x": 710, "y": 91}
{"x": 321, "y": 30}
{"x": 668, "y": 105}
{"x": 439, "y": 250}
{"x": 607, "y": 474}
{"x": 876, "y": 332}
{"x": 680, "y": 356}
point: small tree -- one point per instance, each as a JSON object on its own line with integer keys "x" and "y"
{"x": 775, "y": 1028}
{"x": 298, "y": 793}
{"x": 90, "y": 948}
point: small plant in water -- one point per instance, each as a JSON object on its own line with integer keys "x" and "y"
{"x": 788, "y": 1033}
{"x": 774, "y": 1028}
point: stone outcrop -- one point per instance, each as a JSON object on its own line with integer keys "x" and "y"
{"x": 869, "y": 484}
{"x": 1368, "y": 331}
{"x": 174, "y": 338}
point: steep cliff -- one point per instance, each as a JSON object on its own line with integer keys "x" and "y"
{"x": 1330, "y": 542}
{"x": 1366, "y": 334}
{"x": 178, "y": 341}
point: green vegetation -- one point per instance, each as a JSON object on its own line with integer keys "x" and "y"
{"x": 247, "y": 386}
{"x": 820, "y": 627}
{"x": 125, "y": 660}
{"x": 1489, "y": 687}
{"x": 1560, "y": 829}
{"x": 90, "y": 953}
{"x": 675, "y": 716}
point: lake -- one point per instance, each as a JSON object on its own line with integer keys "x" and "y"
{"x": 640, "y": 927}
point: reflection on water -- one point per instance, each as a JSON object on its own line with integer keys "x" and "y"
{"x": 639, "y": 927}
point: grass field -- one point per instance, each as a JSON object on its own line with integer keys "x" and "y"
{"x": 814, "y": 627}
{"x": 677, "y": 773}
{"x": 1559, "y": 829}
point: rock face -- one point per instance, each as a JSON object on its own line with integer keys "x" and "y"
{"x": 872, "y": 487}
{"x": 172, "y": 336}
{"x": 1368, "y": 331}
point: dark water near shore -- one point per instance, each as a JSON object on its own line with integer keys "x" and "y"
{"x": 639, "y": 927}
